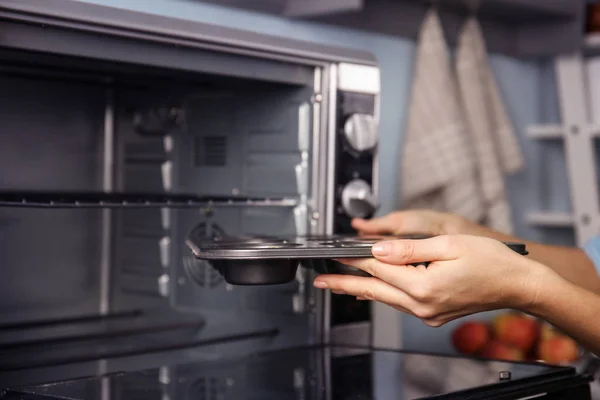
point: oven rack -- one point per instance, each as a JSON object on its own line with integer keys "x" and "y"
{"x": 59, "y": 199}
{"x": 76, "y": 340}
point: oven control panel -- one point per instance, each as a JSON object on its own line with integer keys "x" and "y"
{"x": 356, "y": 148}
{"x": 355, "y": 189}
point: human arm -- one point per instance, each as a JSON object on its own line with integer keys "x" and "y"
{"x": 571, "y": 309}
{"x": 467, "y": 275}
{"x": 571, "y": 263}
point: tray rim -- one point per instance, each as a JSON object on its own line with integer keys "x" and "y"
{"x": 300, "y": 252}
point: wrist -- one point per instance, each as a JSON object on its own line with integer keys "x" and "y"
{"x": 533, "y": 284}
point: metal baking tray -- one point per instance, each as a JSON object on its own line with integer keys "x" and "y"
{"x": 270, "y": 260}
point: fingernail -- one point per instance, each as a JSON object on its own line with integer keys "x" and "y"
{"x": 381, "y": 249}
{"x": 320, "y": 284}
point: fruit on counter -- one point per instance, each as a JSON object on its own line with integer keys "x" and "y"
{"x": 518, "y": 330}
{"x": 558, "y": 350}
{"x": 471, "y": 337}
{"x": 547, "y": 331}
{"x": 501, "y": 351}
{"x": 513, "y": 336}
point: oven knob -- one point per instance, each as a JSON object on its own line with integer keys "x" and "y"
{"x": 360, "y": 131}
{"x": 358, "y": 200}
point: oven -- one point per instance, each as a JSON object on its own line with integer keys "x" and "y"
{"x": 123, "y": 133}
{"x": 142, "y": 160}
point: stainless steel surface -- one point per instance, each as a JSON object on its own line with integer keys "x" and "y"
{"x": 167, "y": 175}
{"x": 304, "y": 127}
{"x": 299, "y": 298}
{"x": 164, "y": 247}
{"x": 105, "y": 389}
{"x": 375, "y": 175}
{"x": 301, "y": 219}
{"x": 164, "y": 285}
{"x": 319, "y": 151}
{"x": 269, "y": 248}
{"x": 308, "y": 8}
{"x": 108, "y": 172}
{"x": 60, "y": 199}
{"x": 359, "y": 78}
{"x": 321, "y": 305}
{"x": 330, "y": 133}
{"x": 301, "y": 212}
{"x": 360, "y": 131}
{"x": 302, "y": 170}
{"x": 358, "y": 200}
{"x": 302, "y": 179}
{"x": 74, "y": 15}
{"x": 165, "y": 218}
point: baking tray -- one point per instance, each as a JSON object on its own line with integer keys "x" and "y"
{"x": 270, "y": 260}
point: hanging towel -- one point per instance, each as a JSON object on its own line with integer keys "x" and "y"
{"x": 438, "y": 166}
{"x": 496, "y": 146}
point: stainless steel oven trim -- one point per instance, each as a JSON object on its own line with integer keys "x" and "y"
{"x": 331, "y": 143}
{"x": 375, "y": 182}
{"x": 108, "y": 165}
{"x": 330, "y": 97}
{"x": 359, "y": 78}
{"x": 317, "y": 185}
{"x": 137, "y": 25}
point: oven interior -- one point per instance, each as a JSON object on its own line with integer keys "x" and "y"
{"x": 79, "y": 280}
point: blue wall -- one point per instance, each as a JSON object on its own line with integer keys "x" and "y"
{"x": 521, "y": 83}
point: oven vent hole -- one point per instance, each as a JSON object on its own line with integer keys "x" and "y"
{"x": 206, "y": 388}
{"x": 210, "y": 151}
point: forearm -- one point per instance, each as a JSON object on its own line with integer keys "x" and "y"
{"x": 570, "y": 308}
{"x": 571, "y": 263}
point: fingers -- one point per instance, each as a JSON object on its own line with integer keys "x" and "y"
{"x": 404, "y": 252}
{"x": 395, "y": 307}
{"x": 366, "y": 288}
{"x": 402, "y": 277}
{"x": 377, "y": 290}
{"x": 373, "y": 226}
{"x": 398, "y": 223}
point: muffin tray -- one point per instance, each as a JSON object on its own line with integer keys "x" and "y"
{"x": 271, "y": 260}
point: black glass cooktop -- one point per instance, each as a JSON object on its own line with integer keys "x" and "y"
{"x": 323, "y": 373}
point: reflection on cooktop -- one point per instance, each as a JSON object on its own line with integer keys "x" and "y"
{"x": 309, "y": 373}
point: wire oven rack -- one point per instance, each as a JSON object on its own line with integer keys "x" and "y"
{"x": 64, "y": 199}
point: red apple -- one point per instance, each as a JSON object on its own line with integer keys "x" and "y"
{"x": 558, "y": 350}
{"x": 500, "y": 351}
{"x": 547, "y": 331}
{"x": 516, "y": 330}
{"x": 470, "y": 337}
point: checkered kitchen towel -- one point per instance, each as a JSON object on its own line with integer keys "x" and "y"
{"x": 438, "y": 165}
{"x": 496, "y": 147}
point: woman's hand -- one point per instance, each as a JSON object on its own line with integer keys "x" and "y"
{"x": 466, "y": 275}
{"x": 571, "y": 263}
